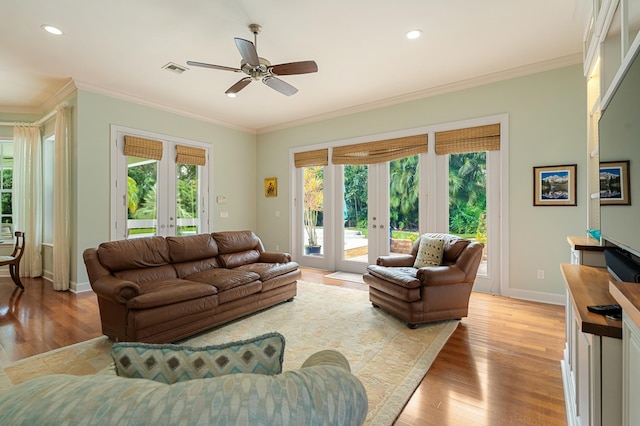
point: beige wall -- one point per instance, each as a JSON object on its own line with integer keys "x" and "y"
{"x": 547, "y": 126}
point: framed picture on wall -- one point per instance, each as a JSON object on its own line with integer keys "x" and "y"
{"x": 555, "y": 185}
{"x": 270, "y": 187}
{"x": 614, "y": 183}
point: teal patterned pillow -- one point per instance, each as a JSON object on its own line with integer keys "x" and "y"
{"x": 174, "y": 363}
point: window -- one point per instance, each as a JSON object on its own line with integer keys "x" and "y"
{"x": 47, "y": 189}
{"x": 160, "y": 185}
{"x": 6, "y": 188}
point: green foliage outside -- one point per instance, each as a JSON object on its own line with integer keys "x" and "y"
{"x": 467, "y": 193}
{"x": 142, "y": 193}
{"x": 467, "y": 196}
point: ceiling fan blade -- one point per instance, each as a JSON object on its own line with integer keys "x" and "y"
{"x": 279, "y": 85}
{"x": 241, "y": 84}
{"x": 215, "y": 67}
{"x": 247, "y": 51}
{"x": 303, "y": 67}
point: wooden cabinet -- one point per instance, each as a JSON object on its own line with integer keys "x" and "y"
{"x": 591, "y": 368}
{"x": 628, "y": 296}
{"x": 586, "y": 251}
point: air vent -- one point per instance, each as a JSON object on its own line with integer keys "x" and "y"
{"x": 178, "y": 69}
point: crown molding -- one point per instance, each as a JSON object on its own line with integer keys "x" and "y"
{"x": 434, "y": 91}
{"x": 159, "y": 106}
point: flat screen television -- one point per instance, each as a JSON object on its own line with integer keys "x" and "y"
{"x": 619, "y": 139}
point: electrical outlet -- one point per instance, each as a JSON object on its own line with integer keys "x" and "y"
{"x": 541, "y": 274}
{"x": 277, "y": 247}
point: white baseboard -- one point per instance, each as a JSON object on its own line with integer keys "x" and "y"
{"x": 74, "y": 287}
{"x": 536, "y": 296}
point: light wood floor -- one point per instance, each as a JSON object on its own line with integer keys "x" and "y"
{"x": 500, "y": 367}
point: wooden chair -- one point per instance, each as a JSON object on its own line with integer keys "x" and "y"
{"x": 14, "y": 259}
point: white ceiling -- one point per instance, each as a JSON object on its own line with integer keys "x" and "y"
{"x": 118, "y": 47}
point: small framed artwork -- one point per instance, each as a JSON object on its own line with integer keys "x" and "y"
{"x": 614, "y": 183}
{"x": 271, "y": 187}
{"x": 555, "y": 185}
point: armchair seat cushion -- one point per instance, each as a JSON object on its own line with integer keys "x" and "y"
{"x": 402, "y": 276}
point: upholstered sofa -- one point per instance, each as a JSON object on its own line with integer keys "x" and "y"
{"x": 158, "y": 289}
{"x": 419, "y": 294}
{"x": 322, "y": 392}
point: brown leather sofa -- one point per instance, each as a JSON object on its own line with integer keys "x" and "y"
{"x": 429, "y": 293}
{"x": 159, "y": 290}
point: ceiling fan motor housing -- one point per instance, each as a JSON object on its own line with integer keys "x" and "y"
{"x": 256, "y": 72}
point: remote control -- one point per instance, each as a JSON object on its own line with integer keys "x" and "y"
{"x": 605, "y": 309}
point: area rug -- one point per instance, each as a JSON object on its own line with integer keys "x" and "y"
{"x": 389, "y": 358}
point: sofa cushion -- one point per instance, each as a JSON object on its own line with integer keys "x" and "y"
{"x": 236, "y": 241}
{"x": 192, "y": 247}
{"x": 233, "y": 260}
{"x": 140, "y": 275}
{"x": 174, "y": 363}
{"x": 429, "y": 252}
{"x": 134, "y": 253}
{"x": 224, "y": 279}
{"x": 168, "y": 292}
{"x": 184, "y": 269}
{"x": 270, "y": 270}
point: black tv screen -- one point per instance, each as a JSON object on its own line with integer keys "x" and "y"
{"x": 619, "y": 139}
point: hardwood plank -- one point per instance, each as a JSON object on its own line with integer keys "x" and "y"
{"x": 501, "y": 366}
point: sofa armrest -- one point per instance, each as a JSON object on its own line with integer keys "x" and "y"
{"x": 274, "y": 257}
{"x": 115, "y": 289}
{"x": 440, "y": 275}
{"x": 327, "y": 357}
{"x": 402, "y": 260}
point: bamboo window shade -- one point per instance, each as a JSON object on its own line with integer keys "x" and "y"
{"x": 191, "y": 155}
{"x": 471, "y": 139}
{"x": 379, "y": 151}
{"x": 318, "y": 157}
{"x": 143, "y": 148}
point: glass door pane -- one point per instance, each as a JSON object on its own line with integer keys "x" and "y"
{"x": 355, "y": 235}
{"x": 404, "y": 192}
{"x": 468, "y": 199}
{"x": 187, "y": 206}
{"x": 142, "y": 204}
{"x": 313, "y": 210}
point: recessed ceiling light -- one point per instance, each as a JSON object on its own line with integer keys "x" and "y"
{"x": 51, "y": 29}
{"x": 413, "y": 34}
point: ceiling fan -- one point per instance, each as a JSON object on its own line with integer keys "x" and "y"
{"x": 258, "y": 68}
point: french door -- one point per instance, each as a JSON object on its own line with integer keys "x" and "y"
{"x": 352, "y": 214}
{"x": 159, "y": 188}
{"x": 459, "y": 186}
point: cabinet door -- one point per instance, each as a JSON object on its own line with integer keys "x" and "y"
{"x": 584, "y": 378}
{"x": 631, "y": 373}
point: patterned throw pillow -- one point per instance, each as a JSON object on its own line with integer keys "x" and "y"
{"x": 173, "y": 363}
{"x": 429, "y": 252}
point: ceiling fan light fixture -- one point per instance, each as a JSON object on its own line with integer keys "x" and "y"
{"x": 52, "y": 29}
{"x": 232, "y": 95}
{"x": 413, "y": 34}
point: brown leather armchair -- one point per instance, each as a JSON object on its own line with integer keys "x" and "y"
{"x": 431, "y": 293}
